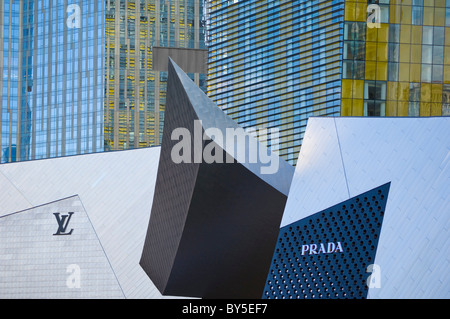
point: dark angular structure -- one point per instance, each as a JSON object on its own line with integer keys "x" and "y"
{"x": 213, "y": 225}
{"x": 349, "y": 232}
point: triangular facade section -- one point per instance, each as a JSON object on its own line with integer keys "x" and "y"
{"x": 52, "y": 252}
{"x": 330, "y": 254}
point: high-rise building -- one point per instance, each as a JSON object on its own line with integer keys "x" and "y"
{"x": 140, "y": 35}
{"x": 51, "y": 88}
{"x": 88, "y": 76}
{"x": 400, "y": 67}
{"x": 276, "y": 63}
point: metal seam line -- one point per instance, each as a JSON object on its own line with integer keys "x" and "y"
{"x": 101, "y": 245}
{"x": 342, "y": 159}
{"x": 16, "y": 188}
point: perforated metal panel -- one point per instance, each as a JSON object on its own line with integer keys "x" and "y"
{"x": 326, "y": 255}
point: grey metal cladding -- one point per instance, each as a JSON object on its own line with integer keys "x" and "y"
{"x": 229, "y": 235}
{"x": 213, "y": 117}
{"x": 173, "y": 190}
{"x": 213, "y": 227}
{"x": 190, "y": 60}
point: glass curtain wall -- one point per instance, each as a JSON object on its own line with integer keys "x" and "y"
{"x": 135, "y": 93}
{"x": 401, "y": 68}
{"x": 52, "y": 78}
{"x": 273, "y": 64}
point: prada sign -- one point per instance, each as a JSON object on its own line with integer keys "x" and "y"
{"x": 315, "y": 249}
{"x": 63, "y": 223}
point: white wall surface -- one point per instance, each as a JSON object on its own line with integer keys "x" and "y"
{"x": 116, "y": 189}
{"x": 344, "y": 157}
{"x": 36, "y": 263}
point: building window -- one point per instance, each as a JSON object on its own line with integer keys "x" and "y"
{"x": 354, "y": 50}
{"x": 417, "y": 15}
{"x": 446, "y": 98}
{"x": 375, "y": 90}
{"x": 426, "y": 73}
{"x": 393, "y": 52}
{"x": 374, "y": 108}
{"x": 374, "y": 98}
{"x": 392, "y": 71}
{"x": 414, "y": 92}
{"x": 427, "y": 36}
{"x": 414, "y": 109}
{"x": 447, "y": 17}
{"x": 394, "y": 33}
{"x": 438, "y": 35}
{"x": 432, "y": 54}
{"x": 414, "y": 99}
{"x": 384, "y": 13}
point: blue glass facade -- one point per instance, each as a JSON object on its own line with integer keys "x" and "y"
{"x": 273, "y": 64}
{"x": 52, "y": 69}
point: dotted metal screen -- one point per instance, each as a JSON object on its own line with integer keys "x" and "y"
{"x": 327, "y": 255}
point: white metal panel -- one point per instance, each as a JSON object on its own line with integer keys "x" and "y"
{"x": 411, "y": 153}
{"x": 116, "y": 189}
{"x": 36, "y": 263}
{"x": 319, "y": 180}
{"x": 10, "y": 197}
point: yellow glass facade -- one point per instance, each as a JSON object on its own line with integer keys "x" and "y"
{"x": 277, "y": 63}
{"x": 135, "y": 92}
{"x": 401, "y": 67}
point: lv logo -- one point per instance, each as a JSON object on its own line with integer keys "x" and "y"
{"x": 63, "y": 222}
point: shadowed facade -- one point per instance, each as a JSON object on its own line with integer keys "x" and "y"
{"x": 213, "y": 227}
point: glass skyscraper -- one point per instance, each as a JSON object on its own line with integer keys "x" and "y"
{"x": 52, "y": 54}
{"x": 276, "y": 63}
{"x": 401, "y": 68}
{"x": 80, "y": 76}
{"x": 135, "y": 88}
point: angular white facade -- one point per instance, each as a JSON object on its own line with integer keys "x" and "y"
{"x": 116, "y": 193}
{"x": 41, "y": 259}
{"x": 344, "y": 157}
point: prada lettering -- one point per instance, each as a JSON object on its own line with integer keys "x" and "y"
{"x": 314, "y": 249}
{"x": 63, "y": 222}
